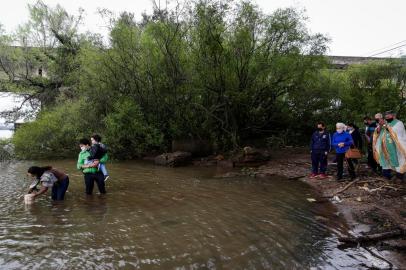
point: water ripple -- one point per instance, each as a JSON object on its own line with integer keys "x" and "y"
{"x": 163, "y": 218}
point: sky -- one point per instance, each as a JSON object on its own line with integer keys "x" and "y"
{"x": 355, "y": 27}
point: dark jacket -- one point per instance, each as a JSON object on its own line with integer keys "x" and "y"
{"x": 321, "y": 142}
{"x": 357, "y": 138}
{"x": 97, "y": 151}
{"x": 369, "y": 132}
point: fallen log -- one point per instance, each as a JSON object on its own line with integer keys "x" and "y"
{"x": 383, "y": 186}
{"x": 371, "y": 237}
{"x": 371, "y": 181}
{"x": 345, "y": 187}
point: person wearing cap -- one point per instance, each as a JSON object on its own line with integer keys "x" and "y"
{"x": 390, "y": 145}
{"x": 342, "y": 142}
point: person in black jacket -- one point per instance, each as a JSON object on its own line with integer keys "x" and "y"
{"x": 97, "y": 151}
{"x": 320, "y": 146}
{"x": 356, "y": 135}
{"x": 370, "y": 126}
{"x": 357, "y": 139}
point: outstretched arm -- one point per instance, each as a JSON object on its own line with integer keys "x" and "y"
{"x": 41, "y": 191}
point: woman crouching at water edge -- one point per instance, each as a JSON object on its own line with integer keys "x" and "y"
{"x": 49, "y": 178}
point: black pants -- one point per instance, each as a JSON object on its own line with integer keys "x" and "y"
{"x": 351, "y": 169}
{"x": 340, "y": 166}
{"x": 90, "y": 178}
{"x": 319, "y": 162}
{"x": 387, "y": 173}
{"x": 371, "y": 161}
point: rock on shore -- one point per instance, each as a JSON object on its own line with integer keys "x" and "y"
{"x": 174, "y": 159}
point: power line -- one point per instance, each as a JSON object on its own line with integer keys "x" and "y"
{"x": 386, "y": 47}
{"x": 388, "y": 50}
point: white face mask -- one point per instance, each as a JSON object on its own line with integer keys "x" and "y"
{"x": 340, "y": 130}
{"x": 83, "y": 148}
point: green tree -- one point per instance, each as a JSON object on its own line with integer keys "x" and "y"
{"x": 127, "y": 132}
{"x": 39, "y": 67}
{"x": 213, "y": 70}
{"x": 375, "y": 87}
{"x": 251, "y": 66}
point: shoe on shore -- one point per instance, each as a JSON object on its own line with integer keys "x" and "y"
{"x": 313, "y": 175}
{"x": 106, "y": 178}
{"x": 340, "y": 179}
{"x": 323, "y": 176}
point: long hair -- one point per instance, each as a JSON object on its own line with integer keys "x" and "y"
{"x": 38, "y": 171}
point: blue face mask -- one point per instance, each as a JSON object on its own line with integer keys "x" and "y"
{"x": 340, "y": 130}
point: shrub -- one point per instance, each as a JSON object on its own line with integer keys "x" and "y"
{"x": 127, "y": 133}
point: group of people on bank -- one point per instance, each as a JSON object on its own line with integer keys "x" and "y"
{"x": 91, "y": 161}
{"x": 385, "y": 139}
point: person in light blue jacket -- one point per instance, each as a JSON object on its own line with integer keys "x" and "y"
{"x": 342, "y": 141}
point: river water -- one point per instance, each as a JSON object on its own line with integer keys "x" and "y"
{"x": 165, "y": 218}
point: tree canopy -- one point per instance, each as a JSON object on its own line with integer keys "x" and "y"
{"x": 215, "y": 70}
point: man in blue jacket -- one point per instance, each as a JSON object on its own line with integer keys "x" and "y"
{"x": 320, "y": 145}
{"x": 342, "y": 142}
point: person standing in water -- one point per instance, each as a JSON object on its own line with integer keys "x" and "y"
{"x": 90, "y": 171}
{"x": 49, "y": 178}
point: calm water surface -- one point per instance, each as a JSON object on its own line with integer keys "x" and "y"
{"x": 163, "y": 218}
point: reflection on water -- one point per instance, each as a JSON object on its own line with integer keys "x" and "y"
{"x": 162, "y": 218}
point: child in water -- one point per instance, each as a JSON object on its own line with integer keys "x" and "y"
{"x": 97, "y": 151}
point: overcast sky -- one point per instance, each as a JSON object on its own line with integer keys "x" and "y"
{"x": 356, "y": 27}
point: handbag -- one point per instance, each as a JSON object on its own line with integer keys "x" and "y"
{"x": 353, "y": 153}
